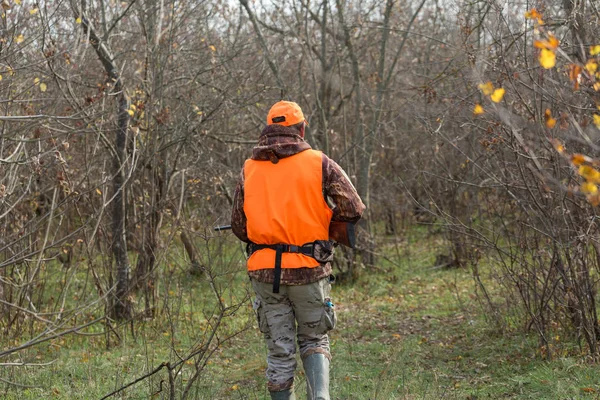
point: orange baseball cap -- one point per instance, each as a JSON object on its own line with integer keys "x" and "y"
{"x": 286, "y": 113}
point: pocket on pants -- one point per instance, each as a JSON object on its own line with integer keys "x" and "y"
{"x": 263, "y": 326}
{"x": 329, "y": 317}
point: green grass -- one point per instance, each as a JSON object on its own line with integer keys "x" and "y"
{"x": 405, "y": 331}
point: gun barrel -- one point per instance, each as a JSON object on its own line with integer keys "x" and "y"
{"x": 222, "y": 227}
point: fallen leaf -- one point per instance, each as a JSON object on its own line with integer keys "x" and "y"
{"x": 478, "y": 109}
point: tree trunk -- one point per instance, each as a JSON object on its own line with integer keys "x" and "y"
{"x": 121, "y": 304}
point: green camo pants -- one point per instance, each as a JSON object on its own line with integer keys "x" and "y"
{"x": 296, "y": 311}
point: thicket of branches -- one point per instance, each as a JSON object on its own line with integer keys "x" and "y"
{"x": 124, "y": 125}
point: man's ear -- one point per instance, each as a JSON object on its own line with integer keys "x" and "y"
{"x": 302, "y": 130}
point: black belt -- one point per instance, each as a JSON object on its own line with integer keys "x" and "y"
{"x": 306, "y": 250}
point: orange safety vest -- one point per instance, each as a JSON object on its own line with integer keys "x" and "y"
{"x": 284, "y": 204}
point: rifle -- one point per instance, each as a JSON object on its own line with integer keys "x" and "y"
{"x": 340, "y": 232}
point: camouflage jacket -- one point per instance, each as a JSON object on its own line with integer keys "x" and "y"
{"x": 275, "y": 142}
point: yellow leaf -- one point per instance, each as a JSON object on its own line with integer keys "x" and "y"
{"x": 486, "y": 88}
{"x": 547, "y": 58}
{"x": 18, "y": 2}
{"x": 497, "y": 95}
{"x": 235, "y": 387}
{"x": 597, "y": 86}
{"x": 133, "y": 107}
{"x": 99, "y": 191}
{"x": 36, "y": 81}
{"x": 43, "y": 87}
{"x": 78, "y": 20}
{"x": 20, "y": 39}
{"x": 558, "y": 146}
{"x": 130, "y": 112}
{"x": 590, "y": 174}
{"x": 589, "y": 188}
{"x": 213, "y": 48}
{"x": 597, "y": 120}
{"x": 595, "y": 50}
{"x": 477, "y": 110}
{"x": 33, "y": 11}
{"x": 0, "y": 77}
{"x": 591, "y": 66}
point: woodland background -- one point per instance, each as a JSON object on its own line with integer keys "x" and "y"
{"x": 472, "y": 125}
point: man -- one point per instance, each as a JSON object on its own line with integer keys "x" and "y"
{"x": 281, "y": 210}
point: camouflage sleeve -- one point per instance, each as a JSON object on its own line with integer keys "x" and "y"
{"x": 238, "y": 217}
{"x": 339, "y": 190}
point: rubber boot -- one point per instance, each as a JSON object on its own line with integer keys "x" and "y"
{"x": 283, "y": 395}
{"x": 316, "y": 367}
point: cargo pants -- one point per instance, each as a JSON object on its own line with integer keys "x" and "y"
{"x": 304, "y": 312}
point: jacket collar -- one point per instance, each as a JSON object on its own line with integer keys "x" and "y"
{"x": 278, "y": 141}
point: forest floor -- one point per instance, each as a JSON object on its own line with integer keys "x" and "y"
{"x": 406, "y": 330}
